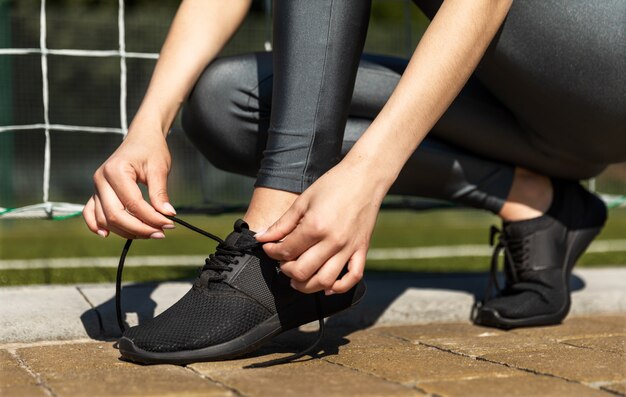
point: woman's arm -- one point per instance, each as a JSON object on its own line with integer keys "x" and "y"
{"x": 445, "y": 58}
{"x": 199, "y": 31}
{"x": 331, "y": 223}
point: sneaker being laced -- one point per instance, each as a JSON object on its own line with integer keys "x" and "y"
{"x": 239, "y": 301}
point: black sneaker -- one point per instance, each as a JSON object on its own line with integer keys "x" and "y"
{"x": 539, "y": 255}
{"x": 239, "y": 301}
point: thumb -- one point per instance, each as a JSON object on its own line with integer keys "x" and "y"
{"x": 157, "y": 190}
{"x": 282, "y": 227}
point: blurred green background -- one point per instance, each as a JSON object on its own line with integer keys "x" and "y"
{"x": 85, "y": 91}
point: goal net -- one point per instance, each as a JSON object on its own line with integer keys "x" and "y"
{"x": 71, "y": 79}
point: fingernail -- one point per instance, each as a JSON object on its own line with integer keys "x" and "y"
{"x": 157, "y": 235}
{"x": 259, "y": 234}
{"x": 102, "y": 233}
{"x": 169, "y": 226}
{"x": 169, "y": 208}
{"x": 329, "y": 292}
{"x": 293, "y": 284}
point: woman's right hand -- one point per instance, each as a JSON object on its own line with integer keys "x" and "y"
{"x": 117, "y": 205}
{"x": 199, "y": 31}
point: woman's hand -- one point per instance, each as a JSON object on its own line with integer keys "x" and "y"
{"x": 327, "y": 227}
{"x": 199, "y": 31}
{"x": 118, "y": 205}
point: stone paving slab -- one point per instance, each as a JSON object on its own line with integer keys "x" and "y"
{"x": 590, "y": 352}
{"x": 410, "y": 360}
{"x": 574, "y": 327}
{"x": 488, "y": 343}
{"x": 15, "y": 380}
{"x": 72, "y": 312}
{"x": 607, "y": 333}
{"x": 94, "y": 369}
{"x": 440, "y": 331}
{"x": 522, "y": 386}
{"x": 44, "y": 313}
{"x": 567, "y": 362}
{"x": 308, "y": 378}
{"x": 611, "y": 344}
{"x": 412, "y": 364}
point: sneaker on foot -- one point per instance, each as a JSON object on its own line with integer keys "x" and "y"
{"x": 239, "y": 301}
{"x": 539, "y": 255}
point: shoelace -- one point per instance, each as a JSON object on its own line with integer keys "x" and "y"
{"x": 515, "y": 253}
{"x": 218, "y": 263}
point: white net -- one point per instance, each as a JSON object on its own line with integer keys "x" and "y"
{"x": 52, "y": 99}
{"x": 47, "y": 208}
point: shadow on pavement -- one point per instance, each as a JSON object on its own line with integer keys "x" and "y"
{"x": 137, "y": 304}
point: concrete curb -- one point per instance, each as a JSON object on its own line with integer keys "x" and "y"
{"x": 34, "y": 313}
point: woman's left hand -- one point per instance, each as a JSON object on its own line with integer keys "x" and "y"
{"x": 328, "y": 226}
{"x": 331, "y": 223}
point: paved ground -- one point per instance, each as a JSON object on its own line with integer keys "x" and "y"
{"x": 583, "y": 357}
{"x": 410, "y": 336}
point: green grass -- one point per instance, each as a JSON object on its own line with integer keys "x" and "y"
{"x": 28, "y": 239}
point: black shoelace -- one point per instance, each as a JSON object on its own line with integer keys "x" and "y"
{"x": 515, "y": 254}
{"x": 217, "y": 264}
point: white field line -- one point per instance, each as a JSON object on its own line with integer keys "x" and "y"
{"x": 197, "y": 260}
{"x": 452, "y": 251}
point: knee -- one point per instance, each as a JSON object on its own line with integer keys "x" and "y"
{"x": 208, "y": 114}
{"x": 207, "y": 103}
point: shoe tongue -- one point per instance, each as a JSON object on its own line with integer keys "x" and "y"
{"x": 241, "y": 235}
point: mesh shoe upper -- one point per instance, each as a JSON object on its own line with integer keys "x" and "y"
{"x": 200, "y": 318}
{"x": 217, "y": 308}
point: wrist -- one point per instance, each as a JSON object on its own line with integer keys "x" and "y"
{"x": 378, "y": 168}
{"x": 367, "y": 167}
{"x": 150, "y": 123}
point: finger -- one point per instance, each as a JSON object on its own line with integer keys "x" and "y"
{"x": 103, "y": 227}
{"x": 309, "y": 262}
{"x": 326, "y": 277}
{"x": 125, "y": 187}
{"x": 124, "y": 234}
{"x": 89, "y": 215}
{"x": 118, "y": 218}
{"x": 102, "y": 222}
{"x": 283, "y": 226}
{"x": 356, "y": 266}
{"x": 303, "y": 237}
{"x": 157, "y": 190}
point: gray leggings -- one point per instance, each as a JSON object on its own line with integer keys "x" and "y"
{"x": 548, "y": 96}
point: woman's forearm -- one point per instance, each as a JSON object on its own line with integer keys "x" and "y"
{"x": 199, "y": 31}
{"x": 446, "y": 56}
